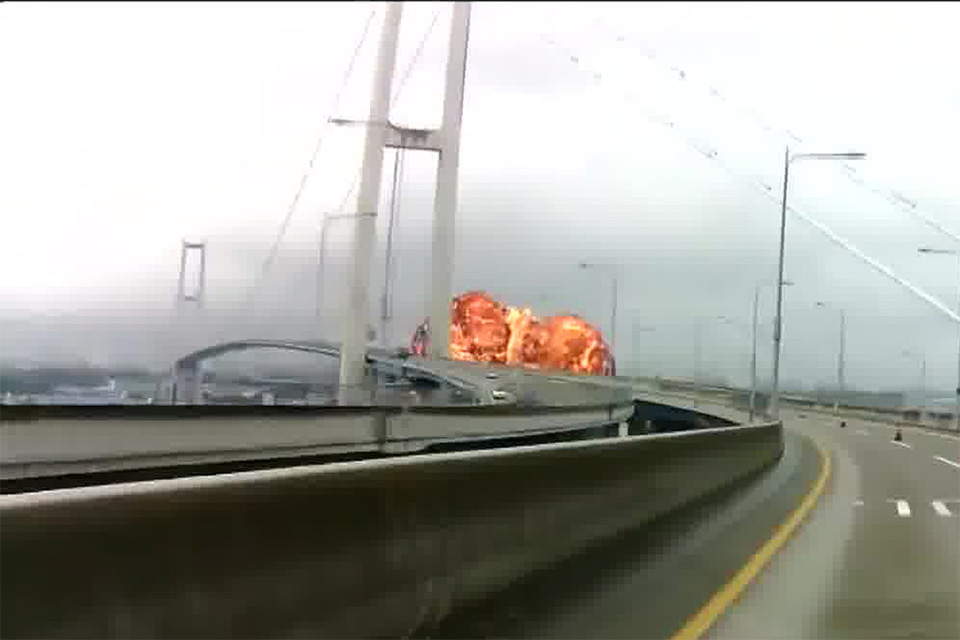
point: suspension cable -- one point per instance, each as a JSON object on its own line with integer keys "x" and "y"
{"x": 713, "y": 155}
{"x": 892, "y": 197}
{"x": 393, "y": 101}
{"x": 272, "y": 254}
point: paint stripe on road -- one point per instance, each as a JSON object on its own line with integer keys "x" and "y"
{"x": 862, "y": 432}
{"x": 902, "y": 444}
{"x": 701, "y": 621}
{"x": 949, "y": 462}
{"x": 941, "y": 508}
{"x": 903, "y": 508}
{"x": 939, "y": 435}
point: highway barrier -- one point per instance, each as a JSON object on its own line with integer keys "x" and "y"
{"x": 51, "y": 441}
{"x": 937, "y": 420}
{"x": 377, "y": 548}
{"x": 943, "y": 421}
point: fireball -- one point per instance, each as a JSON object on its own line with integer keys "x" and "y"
{"x": 484, "y": 330}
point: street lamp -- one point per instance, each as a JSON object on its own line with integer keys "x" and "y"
{"x": 327, "y": 219}
{"x": 840, "y": 353}
{"x": 613, "y": 316}
{"x": 753, "y": 357}
{"x": 923, "y": 376}
{"x": 697, "y": 348}
{"x": 951, "y": 252}
{"x": 637, "y": 329}
{"x": 778, "y": 327}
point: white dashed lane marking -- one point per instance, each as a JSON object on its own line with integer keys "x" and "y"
{"x": 941, "y": 508}
{"x": 904, "y": 511}
{"x": 949, "y": 462}
{"x": 902, "y": 444}
{"x": 862, "y": 432}
{"x": 903, "y": 508}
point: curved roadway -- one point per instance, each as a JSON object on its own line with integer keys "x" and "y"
{"x": 877, "y": 557}
{"x": 884, "y": 544}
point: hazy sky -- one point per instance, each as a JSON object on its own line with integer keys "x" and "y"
{"x": 126, "y": 127}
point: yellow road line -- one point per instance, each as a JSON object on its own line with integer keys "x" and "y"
{"x": 696, "y": 626}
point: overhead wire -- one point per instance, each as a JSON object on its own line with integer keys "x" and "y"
{"x": 712, "y": 154}
{"x": 388, "y": 275}
{"x": 291, "y": 209}
{"x": 389, "y": 279}
{"x": 894, "y": 198}
{"x": 393, "y": 100}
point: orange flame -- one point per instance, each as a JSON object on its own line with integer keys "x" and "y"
{"x": 484, "y": 330}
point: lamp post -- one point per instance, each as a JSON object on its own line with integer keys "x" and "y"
{"x": 923, "y": 376}
{"x": 778, "y": 327}
{"x": 698, "y": 348}
{"x": 753, "y": 357}
{"x": 613, "y": 315}
{"x": 951, "y": 252}
{"x": 638, "y": 329}
{"x": 329, "y": 218}
{"x": 840, "y": 354}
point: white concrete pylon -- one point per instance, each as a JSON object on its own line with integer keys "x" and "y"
{"x": 380, "y": 135}
{"x": 357, "y": 307}
{"x": 445, "y": 201}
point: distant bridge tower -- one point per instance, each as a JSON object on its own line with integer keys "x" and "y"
{"x": 198, "y": 297}
{"x": 381, "y": 134}
{"x": 188, "y": 323}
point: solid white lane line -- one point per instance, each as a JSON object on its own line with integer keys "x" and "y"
{"x": 903, "y": 508}
{"x": 902, "y": 444}
{"x": 941, "y": 508}
{"x": 949, "y": 462}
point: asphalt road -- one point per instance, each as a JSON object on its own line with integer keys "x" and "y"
{"x": 882, "y": 547}
{"x": 648, "y": 584}
{"x": 876, "y": 558}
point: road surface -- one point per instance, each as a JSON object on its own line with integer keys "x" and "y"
{"x": 877, "y": 557}
{"x": 884, "y": 544}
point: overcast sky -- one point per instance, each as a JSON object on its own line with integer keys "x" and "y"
{"x": 126, "y": 127}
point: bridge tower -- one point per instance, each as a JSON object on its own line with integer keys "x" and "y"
{"x": 382, "y": 134}
{"x": 198, "y": 297}
{"x": 188, "y": 309}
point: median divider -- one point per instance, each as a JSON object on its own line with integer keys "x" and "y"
{"x": 56, "y": 441}
{"x": 377, "y": 548}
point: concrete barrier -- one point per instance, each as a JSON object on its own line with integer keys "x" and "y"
{"x": 362, "y": 549}
{"x": 942, "y": 422}
{"x": 53, "y": 441}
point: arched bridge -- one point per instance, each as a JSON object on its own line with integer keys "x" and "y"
{"x": 486, "y": 384}
{"x": 187, "y": 379}
{"x": 320, "y": 347}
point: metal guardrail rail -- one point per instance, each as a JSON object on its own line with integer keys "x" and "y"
{"x": 935, "y": 419}
{"x": 729, "y": 408}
